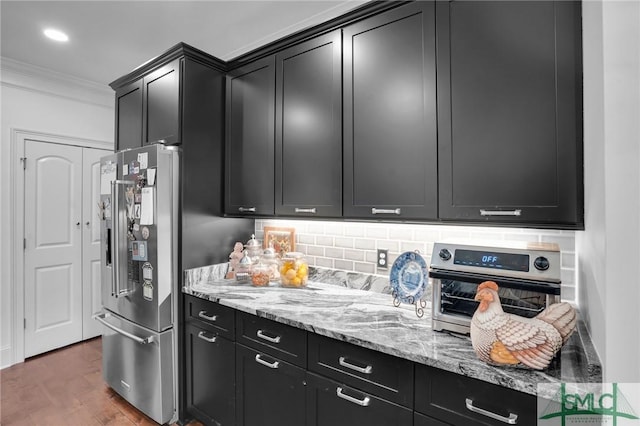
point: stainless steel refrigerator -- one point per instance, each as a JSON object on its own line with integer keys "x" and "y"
{"x": 140, "y": 209}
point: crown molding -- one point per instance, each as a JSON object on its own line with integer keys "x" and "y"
{"x": 14, "y": 73}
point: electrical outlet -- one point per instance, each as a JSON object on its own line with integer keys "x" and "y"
{"x": 382, "y": 258}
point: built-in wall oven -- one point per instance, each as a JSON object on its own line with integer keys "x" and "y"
{"x": 527, "y": 274}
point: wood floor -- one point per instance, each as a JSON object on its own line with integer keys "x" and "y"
{"x": 64, "y": 387}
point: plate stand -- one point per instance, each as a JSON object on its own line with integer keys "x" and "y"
{"x": 418, "y": 304}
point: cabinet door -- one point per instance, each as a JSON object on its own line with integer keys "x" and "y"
{"x": 390, "y": 137}
{"x": 210, "y": 376}
{"x": 509, "y": 105}
{"x": 269, "y": 391}
{"x": 333, "y": 404}
{"x": 162, "y": 105}
{"x": 420, "y": 420}
{"x": 309, "y": 128}
{"x": 250, "y": 139}
{"x": 129, "y": 116}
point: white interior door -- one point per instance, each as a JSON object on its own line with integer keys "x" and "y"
{"x": 53, "y": 251}
{"x": 91, "y": 303}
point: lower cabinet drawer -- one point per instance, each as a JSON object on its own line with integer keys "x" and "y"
{"x": 457, "y": 399}
{"x": 274, "y": 338}
{"x": 375, "y": 372}
{"x": 332, "y": 403}
{"x": 210, "y": 315}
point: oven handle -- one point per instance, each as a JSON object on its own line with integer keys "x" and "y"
{"x": 544, "y": 287}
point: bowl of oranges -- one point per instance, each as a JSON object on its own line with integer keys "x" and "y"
{"x": 294, "y": 270}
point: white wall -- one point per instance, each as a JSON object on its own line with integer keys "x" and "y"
{"x": 609, "y": 248}
{"x": 40, "y": 101}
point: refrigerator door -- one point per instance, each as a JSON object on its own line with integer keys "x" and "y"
{"x": 138, "y": 364}
{"x": 140, "y": 235}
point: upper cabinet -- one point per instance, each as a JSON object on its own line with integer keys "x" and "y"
{"x": 161, "y": 105}
{"x": 250, "y": 120}
{"x": 390, "y": 134}
{"x": 510, "y": 112}
{"x": 129, "y": 116}
{"x": 171, "y": 99}
{"x": 308, "y": 145}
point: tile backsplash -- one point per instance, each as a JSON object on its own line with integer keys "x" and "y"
{"x": 352, "y": 246}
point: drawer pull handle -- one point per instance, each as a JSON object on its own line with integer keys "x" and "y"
{"x": 247, "y": 209}
{"x": 516, "y": 212}
{"x": 343, "y": 362}
{"x": 204, "y": 337}
{"x": 299, "y": 210}
{"x": 385, "y": 211}
{"x": 261, "y": 335}
{"x": 361, "y": 402}
{"x": 203, "y": 314}
{"x": 512, "y": 419}
{"x": 273, "y": 364}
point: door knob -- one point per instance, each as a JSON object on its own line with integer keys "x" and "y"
{"x": 78, "y": 224}
{"x": 88, "y": 223}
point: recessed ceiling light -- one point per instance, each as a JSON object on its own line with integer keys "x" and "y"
{"x": 56, "y": 35}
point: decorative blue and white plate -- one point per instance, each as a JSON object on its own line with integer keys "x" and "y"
{"x": 408, "y": 277}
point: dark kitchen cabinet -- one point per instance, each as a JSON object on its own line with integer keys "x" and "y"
{"x": 269, "y": 391}
{"x": 210, "y": 376}
{"x": 509, "y": 112}
{"x": 334, "y": 404}
{"x": 129, "y": 116}
{"x": 210, "y": 361}
{"x": 161, "y": 105}
{"x": 390, "y": 135}
{"x": 250, "y": 104}
{"x": 455, "y": 399}
{"x": 308, "y": 156}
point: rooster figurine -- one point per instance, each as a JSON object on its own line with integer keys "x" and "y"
{"x": 506, "y": 339}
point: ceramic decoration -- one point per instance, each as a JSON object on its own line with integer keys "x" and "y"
{"x": 408, "y": 277}
{"x": 499, "y": 338}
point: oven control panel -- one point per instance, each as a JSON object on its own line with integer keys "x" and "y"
{"x": 511, "y": 259}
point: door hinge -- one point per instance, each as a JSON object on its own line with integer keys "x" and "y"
{"x": 25, "y": 323}
{"x": 23, "y": 160}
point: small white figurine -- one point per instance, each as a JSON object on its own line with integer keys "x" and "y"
{"x": 234, "y": 258}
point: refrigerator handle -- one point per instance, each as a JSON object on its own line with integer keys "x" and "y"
{"x": 143, "y": 341}
{"x": 116, "y": 290}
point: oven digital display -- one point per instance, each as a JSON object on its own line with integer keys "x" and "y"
{"x": 486, "y": 259}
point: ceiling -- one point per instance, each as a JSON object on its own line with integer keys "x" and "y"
{"x": 108, "y": 39}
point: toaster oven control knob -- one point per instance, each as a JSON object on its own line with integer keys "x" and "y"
{"x": 444, "y": 254}
{"x": 541, "y": 263}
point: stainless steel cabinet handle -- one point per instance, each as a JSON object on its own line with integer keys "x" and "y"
{"x": 512, "y": 419}
{"x": 343, "y": 362}
{"x": 117, "y": 291}
{"x": 261, "y": 335}
{"x": 247, "y": 209}
{"x": 299, "y": 210}
{"x": 516, "y": 212}
{"x": 385, "y": 211}
{"x": 273, "y": 364}
{"x": 141, "y": 340}
{"x": 203, "y": 315}
{"x": 361, "y": 402}
{"x": 204, "y": 337}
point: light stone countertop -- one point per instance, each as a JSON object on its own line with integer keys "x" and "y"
{"x": 369, "y": 319}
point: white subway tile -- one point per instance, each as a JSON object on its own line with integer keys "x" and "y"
{"x": 376, "y": 232}
{"x": 364, "y": 244}
{"x": 334, "y": 253}
{"x": 324, "y": 262}
{"x": 345, "y": 265}
{"x": 566, "y": 242}
{"x": 306, "y": 238}
{"x": 323, "y": 240}
{"x": 400, "y": 233}
{"x": 388, "y": 245}
{"x": 333, "y": 228}
{"x": 568, "y": 260}
{"x": 371, "y": 256}
{"x": 412, "y": 246}
{"x": 427, "y": 234}
{"x": 343, "y": 242}
{"x": 315, "y": 250}
{"x": 367, "y": 268}
{"x": 353, "y": 230}
{"x": 316, "y": 228}
{"x": 354, "y": 255}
